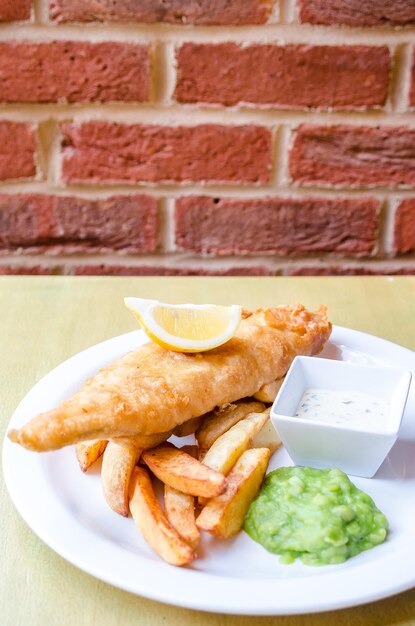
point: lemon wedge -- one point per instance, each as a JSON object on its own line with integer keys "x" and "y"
{"x": 186, "y": 327}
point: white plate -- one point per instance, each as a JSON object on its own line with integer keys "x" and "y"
{"x": 66, "y": 509}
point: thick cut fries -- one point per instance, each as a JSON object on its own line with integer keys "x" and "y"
{"x": 180, "y": 511}
{"x": 226, "y": 450}
{"x": 268, "y": 393}
{"x": 180, "y": 508}
{"x": 87, "y": 452}
{"x": 223, "y": 516}
{"x": 152, "y": 522}
{"x": 267, "y": 437}
{"x": 219, "y": 421}
{"x": 181, "y": 471}
{"x": 119, "y": 459}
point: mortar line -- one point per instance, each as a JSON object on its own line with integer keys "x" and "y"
{"x": 41, "y": 156}
{"x": 185, "y": 260}
{"x": 166, "y": 243}
{"x": 35, "y": 12}
{"x": 282, "y": 154}
{"x": 159, "y": 68}
{"x": 41, "y": 12}
{"x": 170, "y": 72}
{"x": 275, "y": 16}
{"x": 288, "y": 12}
{"x": 162, "y": 190}
{"x": 139, "y": 33}
{"x": 55, "y": 159}
{"x": 401, "y": 79}
{"x": 387, "y": 233}
{"x": 48, "y": 152}
{"x": 192, "y": 115}
{"x": 275, "y": 157}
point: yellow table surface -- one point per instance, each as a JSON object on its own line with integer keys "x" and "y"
{"x": 44, "y": 320}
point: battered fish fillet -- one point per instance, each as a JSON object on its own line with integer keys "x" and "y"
{"x": 152, "y": 389}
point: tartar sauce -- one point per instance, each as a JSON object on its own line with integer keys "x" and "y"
{"x": 346, "y": 408}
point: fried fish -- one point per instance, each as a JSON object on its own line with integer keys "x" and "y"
{"x": 153, "y": 390}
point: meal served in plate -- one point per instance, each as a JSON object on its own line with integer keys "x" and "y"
{"x": 129, "y": 409}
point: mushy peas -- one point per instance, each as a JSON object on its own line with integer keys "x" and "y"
{"x": 318, "y": 516}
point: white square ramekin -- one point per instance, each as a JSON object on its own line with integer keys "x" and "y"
{"x": 358, "y": 452}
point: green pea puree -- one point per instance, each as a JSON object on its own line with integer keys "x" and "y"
{"x": 318, "y": 516}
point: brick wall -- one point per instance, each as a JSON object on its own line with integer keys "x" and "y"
{"x": 207, "y": 137}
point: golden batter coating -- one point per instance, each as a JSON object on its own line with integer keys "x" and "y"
{"x": 152, "y": 390}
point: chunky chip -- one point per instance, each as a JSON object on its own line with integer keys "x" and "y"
{"x": 152, "y": 522}
{"x": 221, "y": 420}
{"x": 180, "y": 511}
{"x": 224, "y": 515}
{"x": 267, "y": 437}
{"x": 227, "y": 449}
{"x": 87, "y": 452}
{"x": 120, "y": 457}
{"x": 180, "y": 508}
{"x": 181, "y": 471}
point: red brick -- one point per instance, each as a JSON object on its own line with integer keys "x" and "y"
{"x": 171, "y": 11}
{"x": 340, "y": 77}
{"x": 353, "y": 156}
{"x": 148, "y": 270}
{"x": 276, "y": 225}
{"x": 100, "y": 151}
{"x": 372, "y": 270}
{"x": 15, "y": 10}
{"x": 32, "y": 270}
{"x": 412, "y": 87}
{"x": 358, "y": 13}
{"x": 74, "y": 71}
{"x": 68, "y": 224}
{"x": 17, "y": 151}
{"x": 404, "y": 231}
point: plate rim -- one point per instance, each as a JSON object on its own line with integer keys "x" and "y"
{"x": 160, "y": 594}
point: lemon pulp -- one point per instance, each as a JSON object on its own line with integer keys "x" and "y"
{"x": 192, "y": 323}
{"x": 186, "y": 327}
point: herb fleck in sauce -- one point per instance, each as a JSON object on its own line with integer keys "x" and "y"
{"x": 345, "y": 408}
